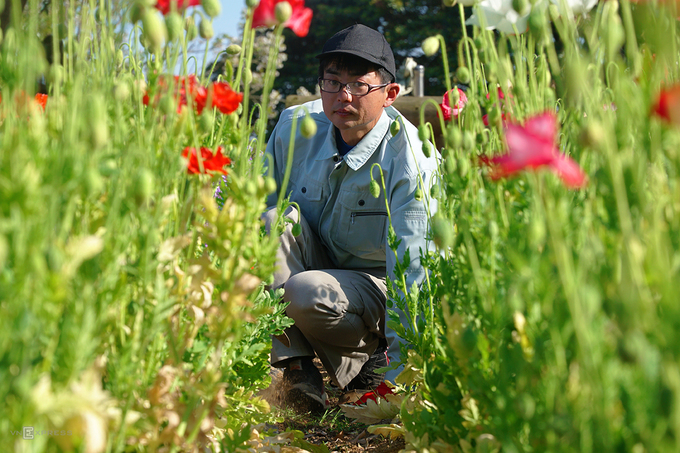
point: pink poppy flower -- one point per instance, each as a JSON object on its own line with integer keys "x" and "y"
{"x": 453, "y": 112}
{"x": 532, "y": 146}
{"x": 299, "y": 21}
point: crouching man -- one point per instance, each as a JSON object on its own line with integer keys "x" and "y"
{"x": 334, "y": 272}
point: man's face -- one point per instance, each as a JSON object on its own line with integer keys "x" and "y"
{"x": 355, "y": 116}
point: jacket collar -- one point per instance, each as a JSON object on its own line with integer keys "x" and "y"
{"x": 363, "y": 150}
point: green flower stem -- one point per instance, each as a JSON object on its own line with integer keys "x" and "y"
{"x": 205, "y": 58}
{"x": 269, "y": 75}
{"x": 445, "y": 61}
{"x": 440, "y": 116}
{"x": 289, "y": 157}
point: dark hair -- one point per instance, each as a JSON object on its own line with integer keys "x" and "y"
{"x": 353, "y": 65}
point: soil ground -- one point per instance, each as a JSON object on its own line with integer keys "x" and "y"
{"x": 332, "y": 429}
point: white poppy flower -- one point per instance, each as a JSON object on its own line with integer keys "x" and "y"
{"x": 499, "y": 15}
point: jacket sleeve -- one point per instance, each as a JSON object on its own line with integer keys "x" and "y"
{"x": 410, "y": 223}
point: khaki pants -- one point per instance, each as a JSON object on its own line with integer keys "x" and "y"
{"x": 339, "y": 314}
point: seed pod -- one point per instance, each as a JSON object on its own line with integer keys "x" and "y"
{"x": 211, "y": 7}
{"x": 252, "y": 3}
{"x": 423, "y": 132}
{"x": 308, "y": 127}
{"x": 442, "y": 233}
{"x": 463, "y": 75}
{"x": 395, "y": 127}
{"x": 282, "y": 12}
{"x": 205, "y": 29}
{"x": 430, "y": 46}
{"x": 233, "y": 49}
{"x": 174, "y": 25}
{"x": 427, "y": 149}
{"x": 296, "y": 230}
{"x": 418, "y": 194}
{"x": 375, "y": 188}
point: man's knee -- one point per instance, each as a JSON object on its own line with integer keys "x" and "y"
{"x": 307, "y": 295}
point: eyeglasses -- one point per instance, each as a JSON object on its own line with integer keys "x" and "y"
{"x": 353, "y": 88}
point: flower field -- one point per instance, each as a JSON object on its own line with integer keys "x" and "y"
{"x": 133, "y": 263}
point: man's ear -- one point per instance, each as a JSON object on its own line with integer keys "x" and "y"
{"x": 392, "y": 93}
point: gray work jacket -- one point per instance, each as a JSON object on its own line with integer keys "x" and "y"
{"x": 333, "y": 192}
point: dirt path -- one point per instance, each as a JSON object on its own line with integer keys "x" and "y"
{"x": 333, "y": 429}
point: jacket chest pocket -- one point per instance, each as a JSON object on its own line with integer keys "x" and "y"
{"x": 363, "y": 224}
{"x": 309, "y": 195}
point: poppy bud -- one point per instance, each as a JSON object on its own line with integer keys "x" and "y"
{"x": 174, "y": 25}
{"x": 468, "y": 141}
{"x": 463, "y": 166}
{"x": 521, "y": 7}
{"x": 434, "y": 191}
{"x": 593, "y": 135}
{"x": 375, "y": 188}
{"x": 296, "y": 230}
{"x": 454, "y": 96}
{"x": 154, "y": 29}
{"x": 120, "y": 58}
{"x": 121, "y": 91}
{"x": 136, "y": 11}
{"x": 427, "y": 149}
{"x": 418, "y": 194}
{"x": 493, "y": 229}
{"x": 94, "y": 183}
{"x": 143, "y": 186}
{"x": 252, "y": 3}
{"x": 442, "y": 233}
{"x": 205, "y": 29}
{"x": 251, "y": 187}
{"x": 423, "y": 132}
{"x": 206, "y": 121}
{"x": 233, "y": 49}
{"x": 269, "y": 185}
{"x": 190, "y": 27}
{"x": 537, "y": 23}
{"x": 211, "y": 7}
{"x": 449, "y": 2}
{"x": 430, "y": 46}
{"x": 282, "y": 12}
{"x": 247, "y": 75}
{"x": 168, "y": 104}
{"x": 450, "y": 165}
{"x": 395, "y": 127}
{"x": 454, "y": 138}
{"x": 308, "y": 127}
{"x": 463, "y": 75}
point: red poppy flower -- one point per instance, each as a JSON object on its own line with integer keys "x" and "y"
{"x": 187, "y": 89}
{"x": 667, "y": 105}
{"x": 379, "y": 392}
{"x": 212, "y": 163}
{"x": 531, "y": 146}
{"x": 453, "y": 112}
{"x": 41, "y": 99}
{"x": 299, "y": 21}
{"x": 485, "y": 119}
{"x": 222, "y": 97}
{"x": 165, "y": 6}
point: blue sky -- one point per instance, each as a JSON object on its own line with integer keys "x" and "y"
{"x": 227, "y": 21}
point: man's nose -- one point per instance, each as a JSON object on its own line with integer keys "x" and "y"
{"x": 344, "y": 93}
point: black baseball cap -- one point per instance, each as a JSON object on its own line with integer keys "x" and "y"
{"x": 363, "y": 42}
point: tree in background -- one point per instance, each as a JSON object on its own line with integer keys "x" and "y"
{"x": 405, "y": 24}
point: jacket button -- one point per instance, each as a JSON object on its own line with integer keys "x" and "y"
{"x": 336, "y": 158}
{"x": 362, "y": 202}
{"x": 304, "y": 190}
